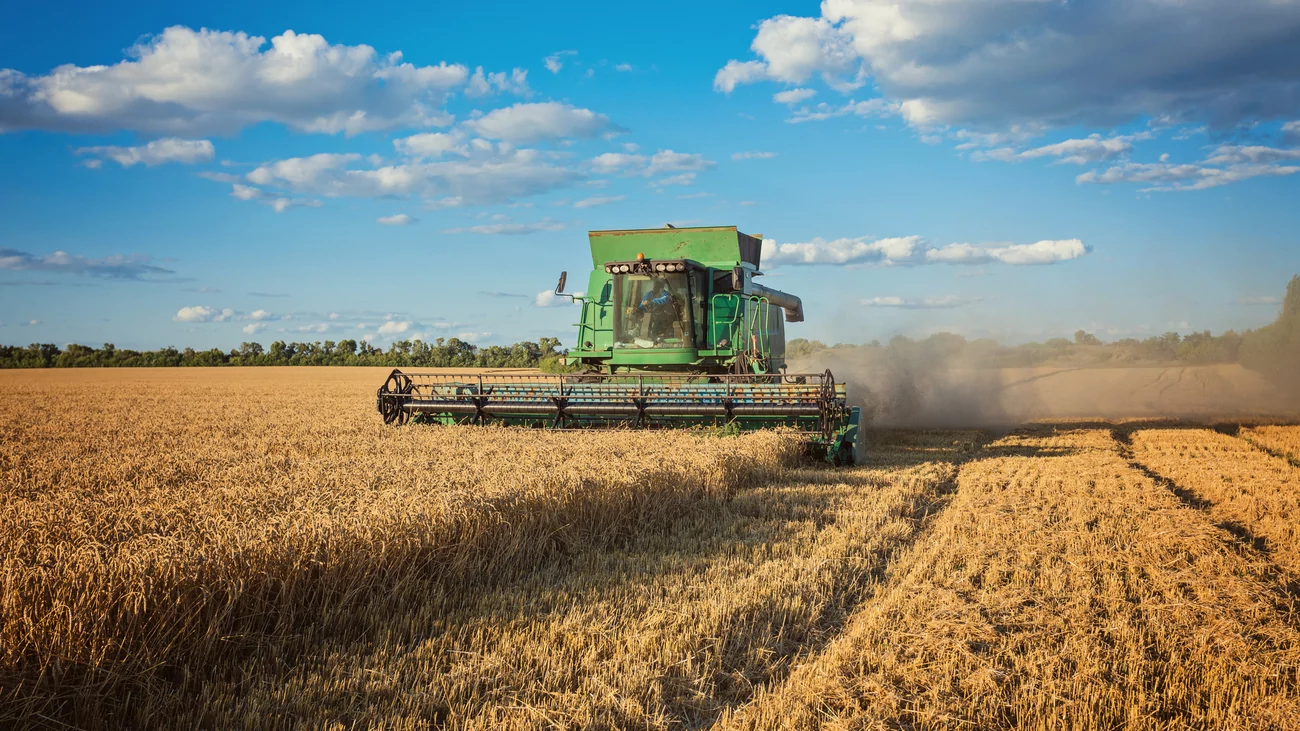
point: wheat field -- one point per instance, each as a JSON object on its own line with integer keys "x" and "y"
{"x": 252, "y": 548}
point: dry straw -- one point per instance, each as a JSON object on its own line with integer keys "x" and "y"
{"x": 179, "y": 522}
{"x": 193, "y": 548}
{"x": 1245, "y": 490}
{"x": 1061, "y": 589}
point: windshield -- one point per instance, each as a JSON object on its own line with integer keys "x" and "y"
{"x": 651, "y": 311}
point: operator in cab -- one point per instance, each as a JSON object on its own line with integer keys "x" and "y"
{"x": 656, "y": 304}
{"x": 657, "y": 295}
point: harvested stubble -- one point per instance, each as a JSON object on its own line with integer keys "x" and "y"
{"x": 1061, "y": 589}
{"x": 1251, "y": 493}
{"x": 665, "y": 632}
{"x": 159, "y": 523}
{"x": 1283, "y": 441}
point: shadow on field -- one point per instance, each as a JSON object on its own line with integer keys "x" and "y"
{"x": 889, "y": 447}
{"x": 726, "y": 590}
{"x": 1239, "y": 537}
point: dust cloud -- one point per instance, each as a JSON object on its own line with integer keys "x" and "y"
{"x": 911, "y": 388}
{"x": 925, "y": 387}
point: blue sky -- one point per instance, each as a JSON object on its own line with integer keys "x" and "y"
{"x": 1015, "y": 169}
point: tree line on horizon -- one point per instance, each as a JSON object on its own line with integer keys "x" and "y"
{"x": 441, "y": 353}
{"x": 1273, "y": 350}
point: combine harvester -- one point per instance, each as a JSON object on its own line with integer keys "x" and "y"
{"x": 674, "y": 332}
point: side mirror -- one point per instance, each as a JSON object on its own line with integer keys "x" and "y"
{"x": 738, "y": 279}
{"x": 559, "y": 288}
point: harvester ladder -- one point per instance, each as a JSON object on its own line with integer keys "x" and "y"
{"x": 747, "y": 329}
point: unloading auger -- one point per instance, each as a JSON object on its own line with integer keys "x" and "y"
{"x": 674, "y": 332}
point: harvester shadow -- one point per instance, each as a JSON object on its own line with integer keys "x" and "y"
{"x": 892, "y": 447}
{"x": 650, "y": 574}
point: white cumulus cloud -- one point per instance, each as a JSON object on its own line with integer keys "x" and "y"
{"x": 400, "y": 219}
{"x": 944, "y": 302}
{"x": 482, "y": 84}
{"x": 200, "y": 313}
{"x": 134, "y": 267}
{"x": 185, "y": 81}
{"x": 600, "y": 200}
{"x": 486, "y": 173}
{"x": 555, "y": 61}
{"x": 681, "y": 179}
{"x": 617, "y": 162}
{"x": 431, "y": 144}
{"x": 1169, "y": 176}
{"x": 278, "y": 203}
{"x": 1090, "y": 149}
{"x": 887, "y": 251}
{"x": 1040, "y": 252}
{"x": 793, "y": 96}
{"x": 667, "y": 161}
{"x": 869, "y": 108}
{"x": 392, "y": 327}
{"x": 663, "y": 161}
{"x": 156, "y": 152}
{"x": 914, "y": 250}
{"x": 540, "y": 121}
{"x": 510, "y": 229}
{"x": 1002, "y": 62}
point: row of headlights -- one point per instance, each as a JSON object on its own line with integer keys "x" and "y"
{"x": 671, "y": 266}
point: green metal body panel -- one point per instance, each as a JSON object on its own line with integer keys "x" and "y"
{"x": 716, "y": 246}
{"x": 716, "y": 250}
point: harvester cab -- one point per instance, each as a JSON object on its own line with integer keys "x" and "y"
{"x": 673, "y": 332}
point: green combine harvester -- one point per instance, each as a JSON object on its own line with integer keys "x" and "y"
{"x": 674, "y": 332}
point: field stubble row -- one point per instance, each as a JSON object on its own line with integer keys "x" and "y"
{"x": 1243, "y": 489}
{"x": 1281, "y": 441}
{"x": 667, "y": 630}
{"x": 1061, "y": 589}
{"x": 352, "y": 575}
{"x": 177, "y": 524}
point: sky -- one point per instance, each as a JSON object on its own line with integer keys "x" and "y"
{"x": 206, "y": 175}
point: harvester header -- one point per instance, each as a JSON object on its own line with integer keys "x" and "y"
{"x": 673, "y": 331}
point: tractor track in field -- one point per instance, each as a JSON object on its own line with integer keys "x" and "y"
{"x": 1039, "y": 377}
{"x": 1239, "y": 534}
{"x": 1177, "y": 380}
{"x": 1239, "y": 537}
{"x": 1138, "y": 389}
{"x": 1284, "y": 456}
{"x": 864, "y": 585}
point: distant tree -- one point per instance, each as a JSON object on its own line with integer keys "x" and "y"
{"x": 1274, "y": 350}
{"x": 802, "y": 348}
{"x": 1083, "y": 337}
